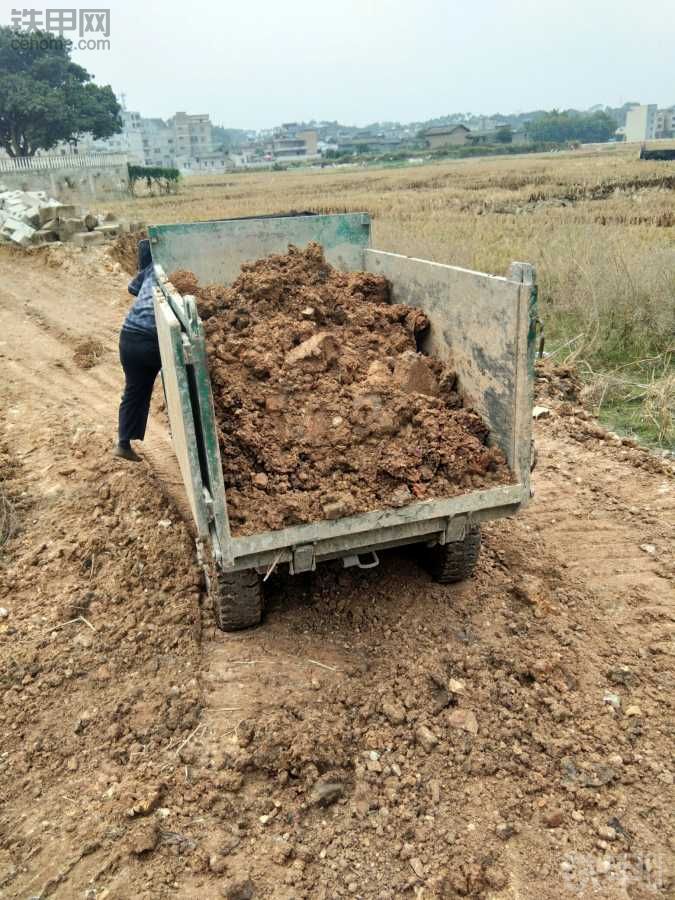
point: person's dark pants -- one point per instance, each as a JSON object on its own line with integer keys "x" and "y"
{"x": 139, "y": 355}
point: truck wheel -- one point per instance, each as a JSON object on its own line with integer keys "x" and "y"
{"x": 236, "y": 598}
{"x": 455, "y": 561}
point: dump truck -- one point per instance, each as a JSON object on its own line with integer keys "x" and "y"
{"x": 483, "y": 325}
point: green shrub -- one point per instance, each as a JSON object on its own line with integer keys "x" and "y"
{"x": 166, "y": 179}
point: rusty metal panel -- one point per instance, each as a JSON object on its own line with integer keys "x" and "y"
{"x": 354, "y": 532}
{"x": 214, "y": 251}
{"x": 480, "y": 326}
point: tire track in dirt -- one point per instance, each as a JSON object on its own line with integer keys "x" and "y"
{"x": 617, "y": 535}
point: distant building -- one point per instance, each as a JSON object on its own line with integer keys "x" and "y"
{"x": 291, "y": 143}
{"x": 128, "y": 141}
{"x": 369, "y": 142}
{"x": 475, "y": 138}
{"x": 193, "y": 136}
{"x": 520, "y": 136}
{"x": 665, "y": 122}
{"x": 178, "y": 142}
{"x": 446, "y": 135}
{"x": 159, "y": 144}
{"x": 641, "y": 123}
{"x": 647, "y": 122}
{"x": 214, "y": 161}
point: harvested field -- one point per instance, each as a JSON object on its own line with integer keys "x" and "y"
{"x": 324, "y": 406}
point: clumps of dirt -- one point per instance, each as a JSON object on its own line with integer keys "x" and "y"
{"x": 560, "y": 391}
{"x": 87, "y": 353}
{"x": 556, "y": 381}
{"x": 8, "y": 516}
{"x": 98, "y": 682}
{"x": 124, "y": 249}
{"x": 324, "y": 406}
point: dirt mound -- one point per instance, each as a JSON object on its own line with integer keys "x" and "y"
{"x": 324, "y": 406}
{"x": 125, "y": 249}
{"x": 87, "y": 353}
{"x": 556, "y": 381}
{"x": 559, "y": 389}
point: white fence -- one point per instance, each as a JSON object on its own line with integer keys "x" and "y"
{"x": 66, "y": 161}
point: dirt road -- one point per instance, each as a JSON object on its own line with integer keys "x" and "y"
{"x": 380, "y": 736}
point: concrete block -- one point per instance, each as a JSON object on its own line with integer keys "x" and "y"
{"x": 108, "y": 230}
{"x": 66, "y": 212}
{"x": 31, "y": 216}
{"x": 45, "y": 236}
{"x": 68, "y": 227}
{"x": 15, "y": 210}
{"x": 87, "y": 238}
{"x": 49, "y": 211}
{"x": 36, "y": 198}
{"x": 17, "y": 232}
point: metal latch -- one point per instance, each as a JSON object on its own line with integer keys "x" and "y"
{"x": 304, "y": 559}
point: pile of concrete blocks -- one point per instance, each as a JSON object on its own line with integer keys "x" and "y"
{"x": 32, "y": 217}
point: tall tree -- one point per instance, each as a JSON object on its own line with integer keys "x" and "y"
{"x": 572, "y": 126}
{"x": 45, "y": 97}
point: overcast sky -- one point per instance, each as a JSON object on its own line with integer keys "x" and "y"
{"x": 255, "y": 63}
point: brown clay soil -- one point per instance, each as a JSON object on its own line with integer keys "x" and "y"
{"x": 324, "y": 406}
{"x": 380, "y": 736}
{"x": 87, "y": 353}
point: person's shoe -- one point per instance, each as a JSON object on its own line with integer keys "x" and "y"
{"x": 126, "y": 453}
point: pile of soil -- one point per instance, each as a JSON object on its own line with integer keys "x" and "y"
{"x": 324, "y": 406}
{"x": 87, "y": 353}
{"x": 124, "y": 249}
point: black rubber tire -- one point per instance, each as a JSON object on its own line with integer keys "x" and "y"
{"x": 237, "y": 599}
{"x": 453, "y": 562}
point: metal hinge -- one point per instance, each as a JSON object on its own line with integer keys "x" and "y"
{"x": 208, "y": 503}
{"x": 187, "y": 350}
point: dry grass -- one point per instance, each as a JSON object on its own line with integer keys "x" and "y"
{"x": 597, "y": 225}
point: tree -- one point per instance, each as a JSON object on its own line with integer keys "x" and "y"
{"x": 560, "y": 127}
{"x": 45, "y": 97}
{"x": 503, "y": 134}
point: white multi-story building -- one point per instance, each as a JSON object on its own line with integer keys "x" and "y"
{"x": 647, "y": 122}
{"x": 193, "y": 135}
{"x": 178, "y": 142}
{"x": 641, "y": 123}
{"x": 159, "y": 145}
{"x": 128, "y": 141}
{"x": 665, "y": 122}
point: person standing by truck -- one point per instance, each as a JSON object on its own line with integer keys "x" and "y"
{"x": 139, "y": 355}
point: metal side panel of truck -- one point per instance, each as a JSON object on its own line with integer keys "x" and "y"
{"x": 483, "y": 325}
